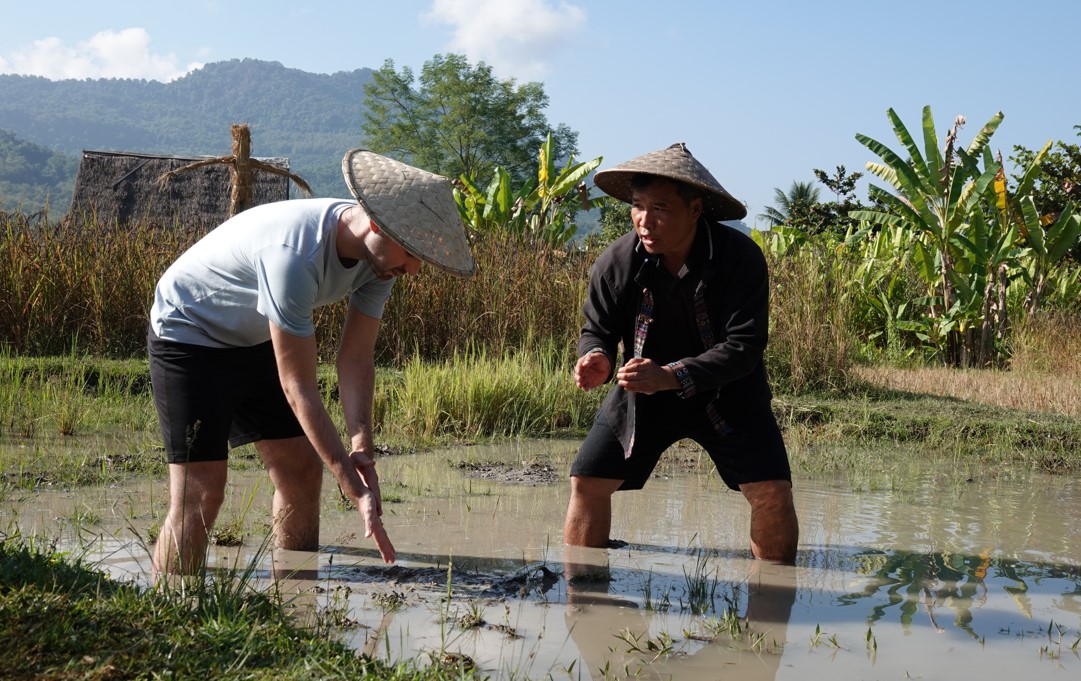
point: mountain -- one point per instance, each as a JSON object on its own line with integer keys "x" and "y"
{"x": 32, "y": 177}
{"x": 309, "y": 118}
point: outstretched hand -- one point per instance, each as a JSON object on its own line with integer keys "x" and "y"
{"x": 365, "y": 466}
{"x": 370, "y": 505}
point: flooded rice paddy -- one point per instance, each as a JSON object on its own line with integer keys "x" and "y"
{"x": 922, "y": 570}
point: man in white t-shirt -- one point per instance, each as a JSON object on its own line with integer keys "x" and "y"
{"x": 233, "y": 352}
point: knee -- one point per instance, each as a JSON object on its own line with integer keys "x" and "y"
{"x": 770, "y": 496}
{"x": 212, "y": 498}
{"x": 593, "y": 488}
{"x": 196, "y": 491}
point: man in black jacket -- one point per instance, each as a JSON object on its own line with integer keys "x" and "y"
{"x": 689, "y": 300}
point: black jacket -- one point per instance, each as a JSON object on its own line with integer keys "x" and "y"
{"x": 730, "y": 373}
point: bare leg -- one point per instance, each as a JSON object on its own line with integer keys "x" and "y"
{"x": 196, "y": 492}
{"x": 297, "y": 475}
{"x": 589, "y": 513}
{"x": 774, "y": 526}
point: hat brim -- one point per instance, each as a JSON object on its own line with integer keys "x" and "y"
{"x": 717, "y": 205}
{"x": 412, "y": 207}
{"x": 676, "y": 163}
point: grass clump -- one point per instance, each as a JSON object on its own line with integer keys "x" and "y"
{"x": 61, "y": 619}
{"x": 477, "y": 395}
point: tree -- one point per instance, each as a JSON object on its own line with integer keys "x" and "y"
{"x": 800, "y": 198}
{"x": 460, "y": 120}
{"x": 840, "y": 183}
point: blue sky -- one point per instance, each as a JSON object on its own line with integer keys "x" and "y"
{"x": 762, "y": 92}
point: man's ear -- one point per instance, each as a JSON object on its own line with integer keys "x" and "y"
{"x": 696, "y": 207}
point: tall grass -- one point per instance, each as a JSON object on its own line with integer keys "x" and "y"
{"x": 524, "y": 298}
{"x": 811, "y": 341}
{"x": 64, "y": 286}
{"x": 1047, "y": 343}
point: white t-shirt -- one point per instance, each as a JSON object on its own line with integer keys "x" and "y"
{"x": 273, "y": 263}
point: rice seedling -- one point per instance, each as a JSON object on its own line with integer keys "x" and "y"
{"x": 228, "y": 533}
{"x": 389, "y": 601}
{"x": 663, "y": 645}
{"x": 700, "y": 587}
{"x": 728, "y": 624}
{"x": 83, "y": 518}
{"x": 473, "y": 617}
{"x": 817, "y": 638}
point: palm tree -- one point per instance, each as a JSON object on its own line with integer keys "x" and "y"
{"x": 800, "y": 196}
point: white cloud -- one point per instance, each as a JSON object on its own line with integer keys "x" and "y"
{"x": 514, "y": 37}
{"x": 108, "y": 54}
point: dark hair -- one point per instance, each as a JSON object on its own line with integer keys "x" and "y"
{"x": 685, "y": 191}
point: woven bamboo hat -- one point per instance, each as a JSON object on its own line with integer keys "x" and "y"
{"x": 673, "y": 163}
{"x": 414, "y": 207}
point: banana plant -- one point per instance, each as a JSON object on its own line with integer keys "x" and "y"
{"x": 1049, "y": 243}
{"x": 778, "y": 241}
{"x": 883, "y": 258}
{"x": 935, "y": 194}
{"x": 497, "y": 208}
{"x": 542, "y": 211}
{"x": 558, "y": 195}
{"x": 1047, "y": 238}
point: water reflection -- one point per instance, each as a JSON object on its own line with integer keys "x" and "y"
{"x": 904, "y": 581}
{"x": 929, "y": 573}
{"x": 741, "y": 625}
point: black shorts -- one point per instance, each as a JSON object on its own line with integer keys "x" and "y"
{"x": 752, "y": 450}
{"x": 211, "y": 399}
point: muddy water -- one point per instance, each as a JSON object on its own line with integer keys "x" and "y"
{"x": 929, "y": 571}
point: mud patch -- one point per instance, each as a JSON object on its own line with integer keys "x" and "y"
{"x": 416, "y": 585}
{"x": 532, "y": 474}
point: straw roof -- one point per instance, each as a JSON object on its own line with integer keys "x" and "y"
{"x": 122, "y": 187}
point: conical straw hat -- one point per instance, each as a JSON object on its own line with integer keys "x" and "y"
{"x": 413, "y": 207}
{"x": 674, "y": 163}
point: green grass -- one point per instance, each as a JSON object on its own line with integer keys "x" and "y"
{"x": 69, "y": 421}
{"x": 60, "y": 619}
{"x": 940, "y": 427}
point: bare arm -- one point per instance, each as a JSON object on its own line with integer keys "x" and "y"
{"x": 297, "y": 360}
{"x": 356, "y": 390}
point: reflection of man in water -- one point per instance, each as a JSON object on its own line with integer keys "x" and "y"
{"x": 597, "y": 619}
{"x": 688, "y": 298}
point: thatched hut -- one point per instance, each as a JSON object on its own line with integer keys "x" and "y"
{"x": 123, "y": 187}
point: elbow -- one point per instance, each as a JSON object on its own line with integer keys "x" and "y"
{"x": 297, "y": 395}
